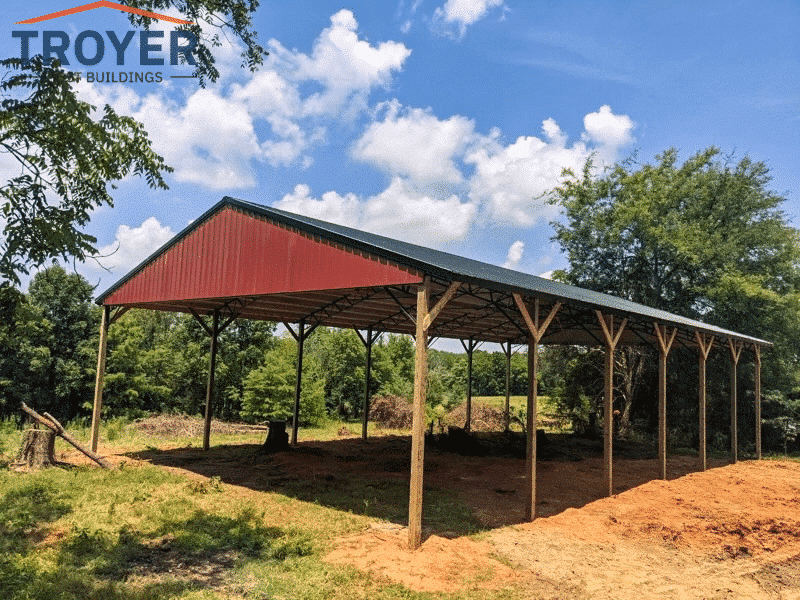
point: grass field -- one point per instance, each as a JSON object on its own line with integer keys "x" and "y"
{"x": 142, "y": 532}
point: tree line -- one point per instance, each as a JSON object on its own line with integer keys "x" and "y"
{"x": 158, "y": 362}
{"x": 706, "y": 239}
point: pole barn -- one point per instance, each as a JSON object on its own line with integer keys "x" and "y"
{"x": 246, "y": 261}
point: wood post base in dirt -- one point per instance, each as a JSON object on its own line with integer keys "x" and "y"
{"x": 37, "y": 449}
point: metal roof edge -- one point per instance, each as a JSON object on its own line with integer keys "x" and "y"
{"x": 382, "y": 246}
{"x": 624, "y": 306}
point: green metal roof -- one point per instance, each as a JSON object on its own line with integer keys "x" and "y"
{"x": 450, "y": 267}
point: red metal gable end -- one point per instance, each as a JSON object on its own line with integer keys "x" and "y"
{"x": 234, "y": 254}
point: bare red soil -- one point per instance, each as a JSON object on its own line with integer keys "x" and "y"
{"x": 730, "y": 532}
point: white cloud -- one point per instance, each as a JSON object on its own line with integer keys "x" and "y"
{"x": 400, "y": 211}
{"x": 132, "y": 245}
{"x": 346, "y": 67}
{"x": 511, "y": 180}
{"x": 608, "y": 129}
{"x": 332, "y": 207}
{"x": 514, "y": 255}
{"x": 210, "y": 136}
{"x": 416, "y": 143}
{"x": 462, "y": 13}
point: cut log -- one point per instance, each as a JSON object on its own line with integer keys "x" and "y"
{"x": 37, "y": 449}
{"x": 56, "y": 427}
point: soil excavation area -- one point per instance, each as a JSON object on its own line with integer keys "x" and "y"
{"x": 730, "y": 532}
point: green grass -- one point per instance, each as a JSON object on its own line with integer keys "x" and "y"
{"x": 142, "y": 532}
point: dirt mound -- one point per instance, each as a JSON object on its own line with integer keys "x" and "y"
{"x": 391, "y": 412}
{"x": 731, "y": 532}
{"x": 749, "y": 508}
{"x": 439, "y": 565}
{"x": 188, "y": 426}
{"x": 484, "y": 417}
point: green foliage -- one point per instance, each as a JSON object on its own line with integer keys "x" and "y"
{"x": 67, "y": 156}
{"x": 706, "y": 239}
{"x": 270, "y": 388}
{"x": 48, "y": 348}
{"x": 232, "y": 15}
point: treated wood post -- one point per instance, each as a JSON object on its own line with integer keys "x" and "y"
{"x": 736, "y": 349}
{"x": 612, "y": 338}
{"x": 536, "y": 330}
{"x": 368, "y": 343}
{"x": 507, "y": 412}
{"x": 418, "y": 430}
{"x": 469, "y": 347}
{"x": 100, "y": 379}
{"x": 664, "y": 345}
{"x": 212, "y": 367}
{"x": 704, "y": 345}
{"x": 757, "y": 377}
{"x": 298, "y": 388}
{"x": 608, "y": 419}
{"x": 530, "y": 455}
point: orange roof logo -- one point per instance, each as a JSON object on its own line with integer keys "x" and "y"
{"x": 103, "y": 4}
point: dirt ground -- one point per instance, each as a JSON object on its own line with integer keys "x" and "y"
{"x": 730, "y": 532}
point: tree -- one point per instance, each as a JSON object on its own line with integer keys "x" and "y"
{"x": 66, "y": 159}
{"x": 47, "y": 352}
{"x": 228, "y": 15}
{"x": 269, "y": 389}
{"x": 706, "y": 239}
{"x": 68, "y": 155}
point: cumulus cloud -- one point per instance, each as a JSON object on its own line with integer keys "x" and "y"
{"x": 344, "y": 210}
{"x": 608, "y": 129}
{"x": 514, "y": 255}
{"x": 400, "y": 211}
{"x": 213, "y": 135}
{"x": 512, "y": 179}
{"x": 444, "y": 175}
{"x": 132, "y": 245}
{"x": 460, "y": 14}
{"x": 415, "y": 143}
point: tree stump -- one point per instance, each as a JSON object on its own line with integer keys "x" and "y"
{"x": 37, "y": 448}
{"x": 277, "y": 438}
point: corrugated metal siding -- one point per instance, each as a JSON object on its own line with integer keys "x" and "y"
{"x": 237, "y": 254}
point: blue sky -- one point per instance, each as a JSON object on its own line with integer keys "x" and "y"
{"x": 440, "y": 121}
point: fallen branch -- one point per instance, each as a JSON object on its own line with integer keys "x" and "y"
{"x": 51, "y": 423}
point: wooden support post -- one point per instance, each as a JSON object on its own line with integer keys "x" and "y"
{"x": 665, "y": 340}
{"x": 736, "y": 350}
{"x": 530, "y": 454}
{"x": 704, "y": 344}
{"x": 212, "y": 367}
{"x": 469, "y": 347}
{"x": 99, "y": 381}
{"x": 608, "y": 420}
{"x": 757, "y": 382}
{"x": 507, "y": 411}
{"x": 612, "y": 338}
{"x": 425, "y": 318}
{"x": 536, "y": 330}
{"x": 418, "y": 430}
{"x": 298, "y": 387}
{"x": 367, "y": 373}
